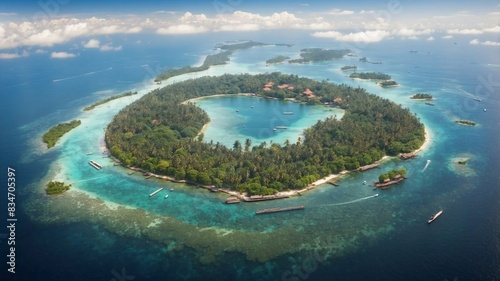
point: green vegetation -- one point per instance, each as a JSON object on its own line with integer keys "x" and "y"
{"x": 465, "y": 122}
{"x": 390, "y": 83}
{"x": 370, "y": 128}
{"x": 370, "y": 75}
{"x": 56, "y": 132}
{"x": 462, "y": 162}
{"x": 215, "y": 59}
{"x": 211, "y": 60}
{"x": 319, "y": 54}
{"x": 56, "y": 187}
{"x": 421, "y": 96}
{"x": 90, "y": 107}
{"x": 348, "y": 67}
{"x": 278, "y": 59}
{"x": 392, "y": 175}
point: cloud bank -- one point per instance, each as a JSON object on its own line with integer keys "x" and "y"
{"x": 368, "y": 26}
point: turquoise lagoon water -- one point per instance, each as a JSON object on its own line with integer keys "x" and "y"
{"x": 110, "y": 222}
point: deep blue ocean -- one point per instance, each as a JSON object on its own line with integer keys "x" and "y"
{"x": 341, "y": 235}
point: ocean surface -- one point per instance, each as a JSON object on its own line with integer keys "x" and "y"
{"x": 108, "y": 228}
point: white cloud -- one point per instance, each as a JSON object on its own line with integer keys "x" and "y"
{"x": 484, "y": 43}
{"x": 40, "y": 51}
{"x": 92, "y": 44}
{"x": 8, "y": 56}
{"x": 109, "y": 47}
{"x": 447, "y": 37}
{"x": 430, "y": 38}
{"x": 464, "y": 31}
{"x": 412, "y": 32}
{"x": 181, "y": 29}
{"x": 338, "y": 12}
{"x": 365, "y": 36}
{"x": 495, "y": 29}
{"x": 61, "y": 55}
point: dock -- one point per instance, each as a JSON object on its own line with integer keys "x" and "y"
{"x": 232, "y": 200}
{"x": 95, "y": 165}
{"x": 406, "y": 156}
{"x": 153, "y": 193}
{"x": 276, "y": 210}
{"x": 368, "y": 167}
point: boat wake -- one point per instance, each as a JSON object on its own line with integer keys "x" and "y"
{"x": 352, "y": 201}
{"x": 426, "y": 165}
{"x": 81, "y": 75}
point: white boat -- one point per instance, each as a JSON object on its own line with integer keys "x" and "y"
{"x": 171, "y": 189}
{"x": 364, "y": 182}
{"x": 435, "y": 216}
{"x": 166, "y": 196}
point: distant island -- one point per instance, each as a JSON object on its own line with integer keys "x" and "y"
{"x": 159, "y": 133}
{"x": 364, "y": 59}
{"x": 370, "y": 75}
{"x": 348, "y": 67}
{"x": 421, "y": 96}
{"x": 56, "y": 187}
{"x": 319, "y": 54}
{"x": 465, "y": 122}
{"x": 94, "y": 105}
{"x": 278, "y": 59}
{"x": 220, "y": 58}
{"x": 56, "y": 132}
{"x": 389, "y": 83}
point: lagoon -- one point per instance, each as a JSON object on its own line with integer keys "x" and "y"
{"x": 244, "y": 117}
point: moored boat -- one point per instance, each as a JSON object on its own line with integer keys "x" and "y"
{"x": 435, "y": 216}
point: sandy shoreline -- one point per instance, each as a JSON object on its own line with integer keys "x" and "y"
{"x": 218, "y": 95}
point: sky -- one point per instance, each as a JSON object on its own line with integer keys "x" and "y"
{"x": 28, "y": 27}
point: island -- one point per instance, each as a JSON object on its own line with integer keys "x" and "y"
{"x": 221, "y": 58}
{"x": 364, "y": 59}
{"x": 465, "y": 122}
{"x": 421, "y": 96}
{"x": 56, "y": 132}
{"x": 348, "y": 67}
{"x": 319, "y": 54}
{"x": 462, "y": 162}
{"x": 56, "y": 187}
{"x": 278, "y": 59}
{"x": 392, "y": 177}
{"x": 370, "y": 75}
{"x": 389, "y": 83}
{"x": 159, "y": 134}
{"x": 94, "y": 105}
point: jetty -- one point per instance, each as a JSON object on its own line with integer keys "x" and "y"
{"x": 276, "y": 210}
{"x": 95, "y": 165}
{"x": 368, "y": 167}
{"x": 406, "y": 156}
{"x": 232, "y": 200}
{"x": 153, "y": 193}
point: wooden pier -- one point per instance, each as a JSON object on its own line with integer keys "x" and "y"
{"x": 368, "y": 167}
{"x": 276, "y": 210}
{"x": 153, "y": 193}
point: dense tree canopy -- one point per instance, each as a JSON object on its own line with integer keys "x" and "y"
{"x": 157, "y": 133}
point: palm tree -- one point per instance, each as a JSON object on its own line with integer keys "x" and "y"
{"x": 248, "y": 143}
{"x": 237, "y": 145}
